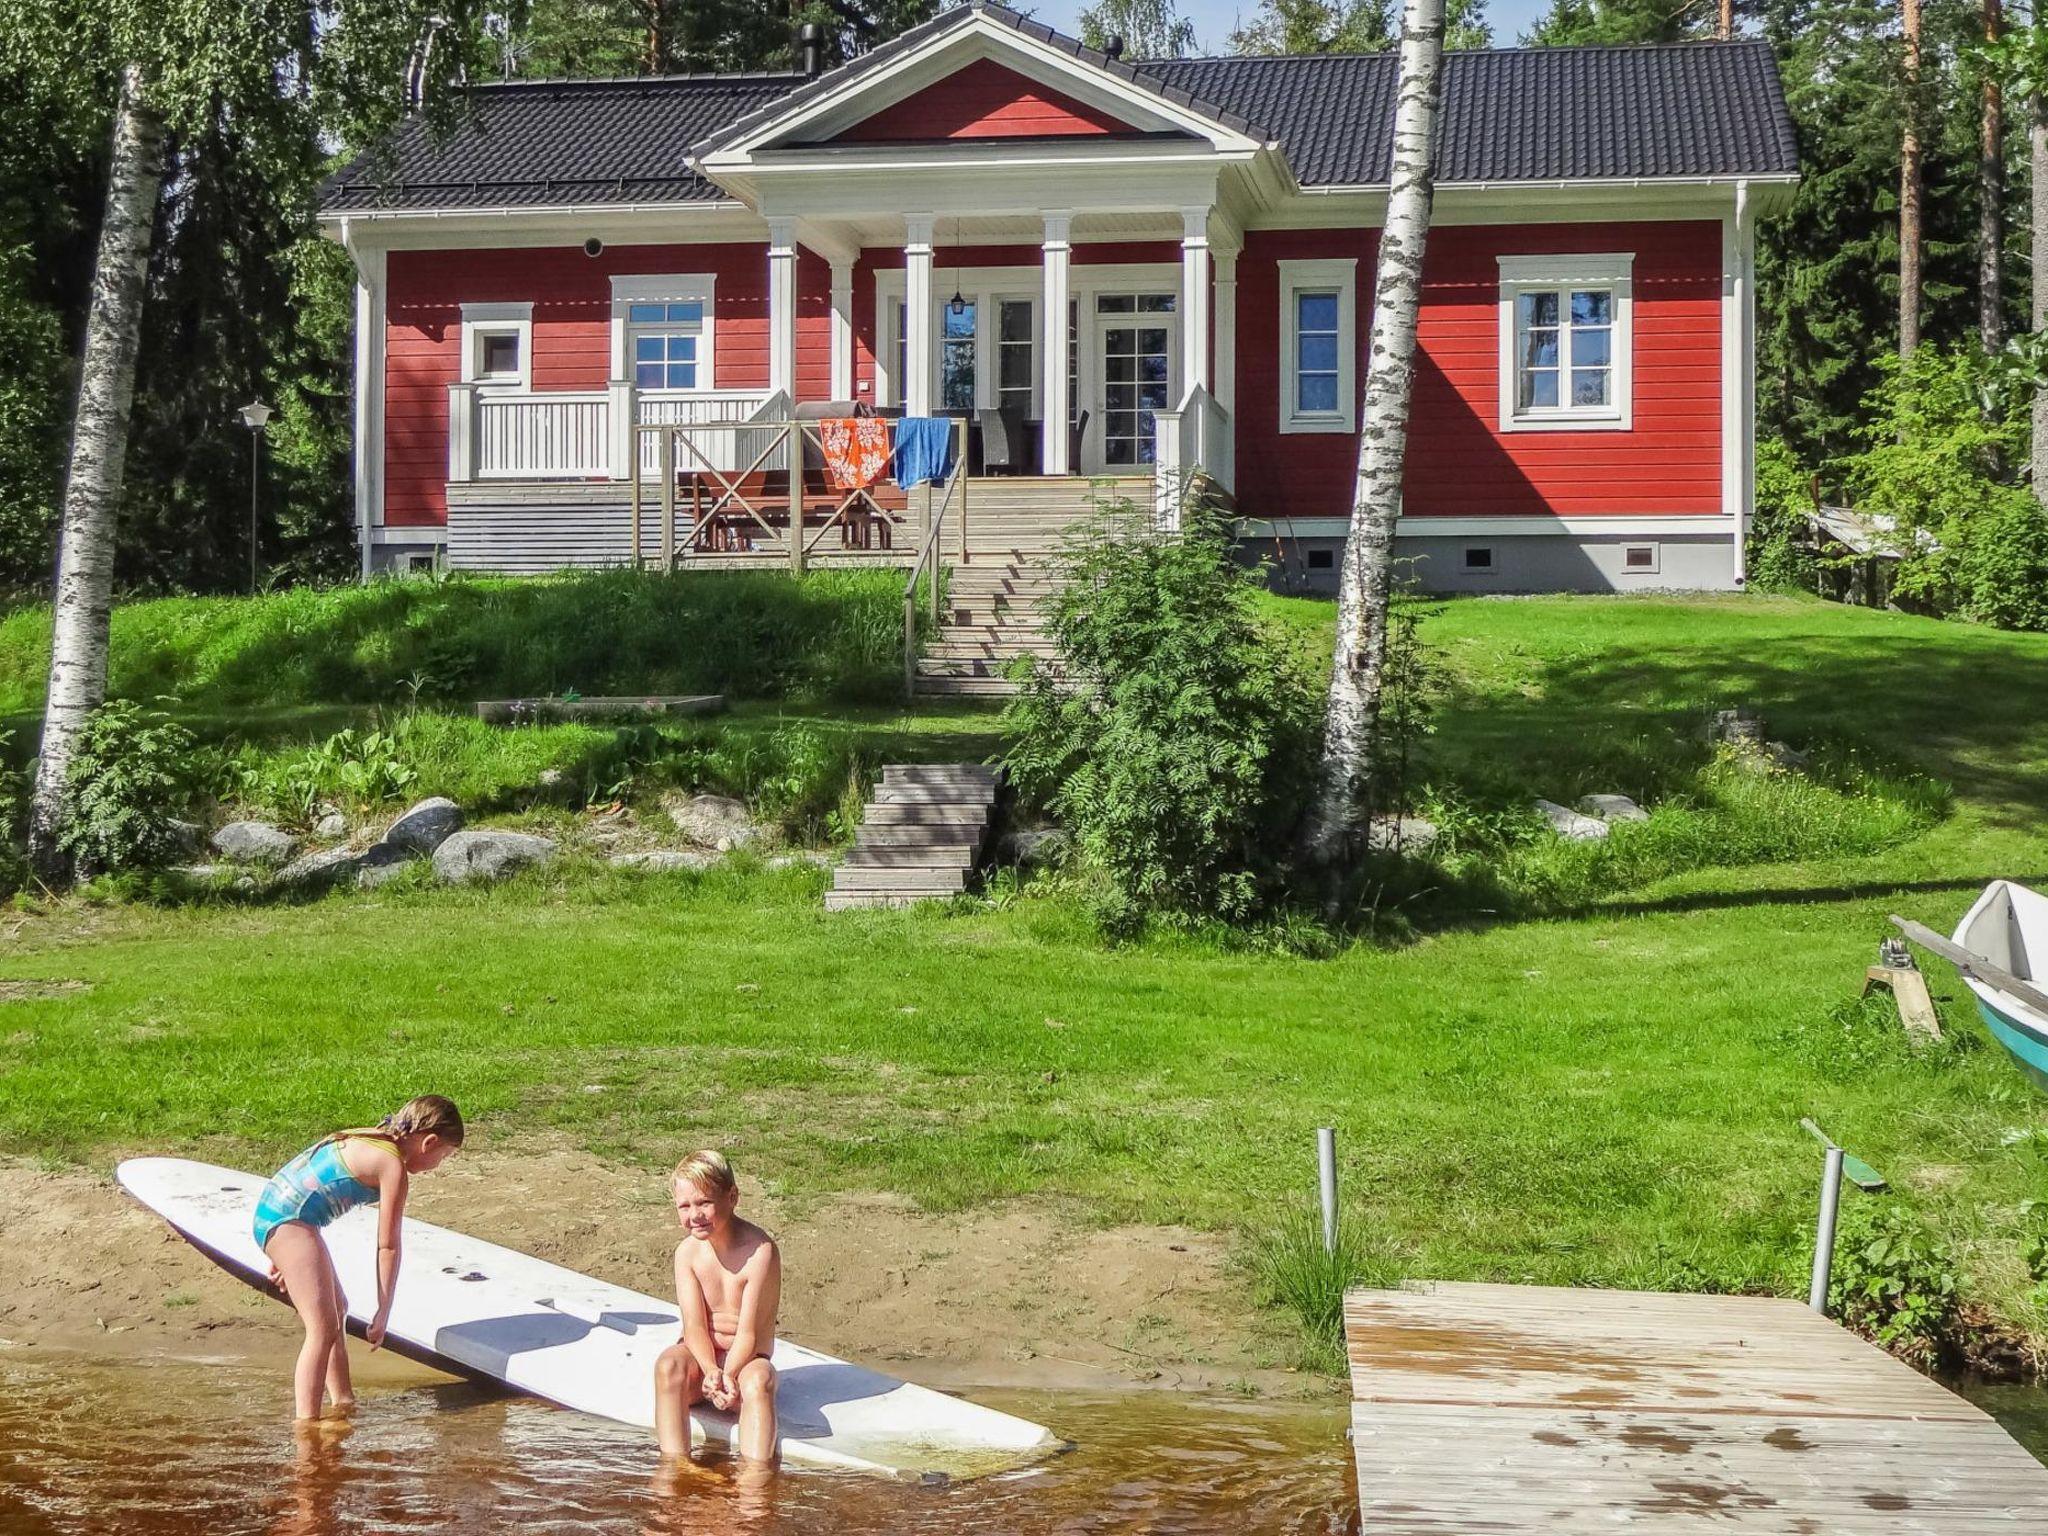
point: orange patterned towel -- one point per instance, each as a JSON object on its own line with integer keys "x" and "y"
{"x": 856, "y": 450}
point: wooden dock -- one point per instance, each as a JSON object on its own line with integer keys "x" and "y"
{"x": 1502, "y": 1409}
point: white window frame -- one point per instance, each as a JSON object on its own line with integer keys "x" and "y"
{"x": 481, "y": 320}
{"x": 666, "y": 288}
{"x": 1613, "y": 271}
{"x": 1320, "y": 276}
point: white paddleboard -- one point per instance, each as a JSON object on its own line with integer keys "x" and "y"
{"x": 479, "y": 1310}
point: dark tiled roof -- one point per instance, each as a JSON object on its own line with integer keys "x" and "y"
{"x": 1519, "y": 114}
{"x": 1510, "y": 114}
{"x": 550, "y": 142}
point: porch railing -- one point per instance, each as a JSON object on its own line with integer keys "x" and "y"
{"x": 739, "y": 487}
{"x": 929, "y": 562}
{"x": 497, "y": 434}
{"x": 1194, "y": 439}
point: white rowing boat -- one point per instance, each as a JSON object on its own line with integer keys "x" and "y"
{"x": 479, "y": 1310}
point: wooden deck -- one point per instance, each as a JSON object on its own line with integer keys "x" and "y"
{"x": 1503, "y": 1409}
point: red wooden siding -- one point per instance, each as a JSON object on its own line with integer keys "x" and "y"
{"x": 984, "y": 100}
{"x": 571, "y": 297}
{"x": 1459, "y": 462}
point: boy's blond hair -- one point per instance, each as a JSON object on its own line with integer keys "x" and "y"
{"x": 708, "y": 1170}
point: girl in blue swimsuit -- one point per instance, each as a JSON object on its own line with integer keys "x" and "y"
{"x": 369, "y": 1166}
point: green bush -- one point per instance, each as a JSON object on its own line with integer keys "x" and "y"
{"x": 1174, "y": 736}
{"x": 834, "y": 635}
{"x": 359, "y": 768}
{"x": 1938, "y": 466}
{"x": 1894, "y": 1280}
{"x": 1778, "y": 558}
{"x": 131, "y": 775}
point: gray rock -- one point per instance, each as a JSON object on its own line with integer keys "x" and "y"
{"x": 1612, "y": 808}
{"x": 381, "y": 864}
{"x": 1791, "y": 759}
{"x": 1400, "y": 834}
{"x": 189, "y": 836}
{"x": 321, "y": 868}
{"x": 791, "y": 860}
{"x": 1735, "y": 725}
{"x": 489, "y": 855}
{"x": 715, "y": 821}
{"x": 1569, "y": 824}
{"x": 332, "y": 827}
{"x": 1032, "y": 847}
{"x": 661, "y": 860}
{"x": 255, "y": 842}
{"x": 426, "y": 826}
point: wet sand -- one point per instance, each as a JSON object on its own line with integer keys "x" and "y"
{"x": 1013, "y": 1296}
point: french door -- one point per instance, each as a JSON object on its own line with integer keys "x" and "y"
{"x": 1135, "y": 348}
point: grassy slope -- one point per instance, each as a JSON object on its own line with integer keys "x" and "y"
{"x": 836, "y": 635}
{"x": 1613, "y": 1097}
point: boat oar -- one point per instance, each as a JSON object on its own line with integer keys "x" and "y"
{"x": 1858, "y": 1172}
{"x": 1970, "y": 963}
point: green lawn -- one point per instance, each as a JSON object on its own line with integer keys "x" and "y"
{"x": 1610, "y": 1096}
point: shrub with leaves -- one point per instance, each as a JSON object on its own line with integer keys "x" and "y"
{"x": 1894, "y": 1280}
{"x": 1945, "y": 435}
{"x": 1779, "y": 560}
{"x": 131, "y": 774}
{"x": 1174, "y": 733}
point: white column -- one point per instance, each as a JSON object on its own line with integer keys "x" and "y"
{"x": 369, "y": 401}
{"x": 621, "y": 406}
{"x": 842, "y": 330}
{"x": 462, "y": 463}
{"x": 782, "y": 306}
{"x": 1052, "y": 352}
{"x": 1738, "y": 334}
{"x": 1225, "y": 387}
{"x": 1194, "y": 299}
{"x": 917, "y": 314}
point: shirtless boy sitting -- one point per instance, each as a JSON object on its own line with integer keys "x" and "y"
{"x": 728, "y": 1282}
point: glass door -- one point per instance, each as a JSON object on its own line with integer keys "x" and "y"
{"x": 1136, "y": 333}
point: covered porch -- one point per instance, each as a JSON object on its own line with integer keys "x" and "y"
{"x": 1100, "y": 350}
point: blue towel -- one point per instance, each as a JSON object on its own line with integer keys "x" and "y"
{"x": 924, "y": 450}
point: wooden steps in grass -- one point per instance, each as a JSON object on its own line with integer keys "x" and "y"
{"x": 921, "y": 837}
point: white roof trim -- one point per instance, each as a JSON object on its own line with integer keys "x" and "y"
{"x": 977, "y": 37}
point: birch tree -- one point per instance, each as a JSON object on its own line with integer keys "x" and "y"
{"x": 179, "y": 64}
{"x": 99, "y": 447}
{"x": 1365, "y": 586}
{"x": 2019, "y": 60}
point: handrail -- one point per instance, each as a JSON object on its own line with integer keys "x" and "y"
{"x": 928, "y": 553}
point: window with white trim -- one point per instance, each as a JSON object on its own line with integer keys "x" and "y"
{"x": 1319, "y": 345}
{"x": 662, "y": 332}
{"x": 1565, "y": 342}
{"x": 497, "y": 345}
{"x": 664, "y": 339}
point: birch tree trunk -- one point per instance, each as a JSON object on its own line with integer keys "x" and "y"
{"x": 1991, "y": 196}
{"x": 1912, "y": 183}
{"x": 99, "y": 447}
{"x": 1365, "y": 587}
{"x": 2037, "y": 236}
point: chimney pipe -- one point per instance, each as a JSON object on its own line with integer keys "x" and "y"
{"x": 1114, "y": 48}
{"x": 810, "y": 42}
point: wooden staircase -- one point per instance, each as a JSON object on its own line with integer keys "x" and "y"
{"x": 995, "y": 598}
{"x": 921, "y": 837}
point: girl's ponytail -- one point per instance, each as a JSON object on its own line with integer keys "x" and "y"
{"x": 428, "y": 1115}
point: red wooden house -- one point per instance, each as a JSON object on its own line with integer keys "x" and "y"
{"x": 1107, "y": 270}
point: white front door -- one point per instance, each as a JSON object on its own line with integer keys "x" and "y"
{"x": 1136, "y": 374}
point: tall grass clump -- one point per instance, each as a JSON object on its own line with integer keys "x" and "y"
{"x": 1292, "y": 1270}
{"x": 833, "y": 635}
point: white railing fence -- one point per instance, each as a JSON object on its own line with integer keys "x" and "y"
{"x": 1195, "y": 438}
{"x": 498, "y": 434}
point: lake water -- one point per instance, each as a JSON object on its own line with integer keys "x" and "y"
{"x": 188, "y": 1445}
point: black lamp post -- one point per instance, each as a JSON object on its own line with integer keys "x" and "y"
{"x": 255, "y": 416}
